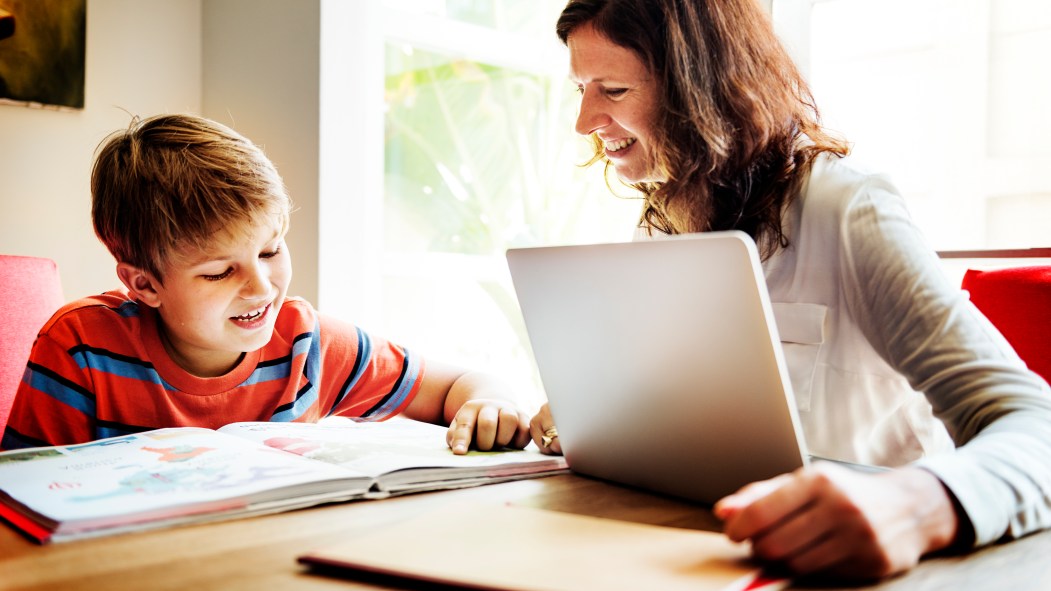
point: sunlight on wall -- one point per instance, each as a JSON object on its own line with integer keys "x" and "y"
{"x": 949, "y": 97}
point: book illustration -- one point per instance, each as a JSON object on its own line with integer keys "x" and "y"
{"x": 28, "y": 456}
{"x": 140, "y": 472}
{"x": 200, "y": 477}
{"x": 179, "y": 453}
{"x": 343, "y": 452}
{"x": 370, "y": 447}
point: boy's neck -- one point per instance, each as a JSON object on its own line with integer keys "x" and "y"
{"x": 201, "y": 370}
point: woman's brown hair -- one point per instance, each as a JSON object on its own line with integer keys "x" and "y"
{"x": 737, "y": 130}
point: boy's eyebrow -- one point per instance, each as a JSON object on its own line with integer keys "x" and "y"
{"x": 204, "y": 256}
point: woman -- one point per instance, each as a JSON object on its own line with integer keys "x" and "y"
{"x": 696, "y": 104}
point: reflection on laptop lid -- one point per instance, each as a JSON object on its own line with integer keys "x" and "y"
{"x": 661, "y": 362}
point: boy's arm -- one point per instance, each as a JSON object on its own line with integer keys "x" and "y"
{"x": 476, "y": 406}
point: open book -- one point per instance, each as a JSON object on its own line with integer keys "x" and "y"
{"x": 189, "y": 475}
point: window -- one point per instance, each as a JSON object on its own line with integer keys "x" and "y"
{"x": 473, "y": 121}
{"x": 447, "y": 137}
{"x": 950, "y": 98}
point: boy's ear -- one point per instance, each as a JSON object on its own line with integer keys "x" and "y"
{"x": 141, "y": 284}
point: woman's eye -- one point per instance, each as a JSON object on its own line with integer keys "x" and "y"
{"x": 222, "y": 275}
{"x": 615, "y": 92}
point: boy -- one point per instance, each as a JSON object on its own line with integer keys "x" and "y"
{"x": 204, "y": 334}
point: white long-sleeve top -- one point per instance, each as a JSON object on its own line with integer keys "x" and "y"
{"x": 891, "y": 363}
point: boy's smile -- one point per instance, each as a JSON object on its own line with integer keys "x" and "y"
{"x": 218, "y": 303}
{"x": 252, "y": 319}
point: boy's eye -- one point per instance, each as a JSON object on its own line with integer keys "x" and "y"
{"x": 270, "y": 254}
{"x": 222, "y": 275}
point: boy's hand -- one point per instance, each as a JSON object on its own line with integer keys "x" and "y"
{"x": 490, "y": 424}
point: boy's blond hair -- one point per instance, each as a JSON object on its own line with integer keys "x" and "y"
{"x": 171, "y": 182}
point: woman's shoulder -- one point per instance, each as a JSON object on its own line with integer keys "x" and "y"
{"x": 836, "y": 175}
{"x": 838, "y": 184}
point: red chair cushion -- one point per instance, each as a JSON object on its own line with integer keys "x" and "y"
{"x": 30, "y": 292}
{"x": 1017, "y": 301}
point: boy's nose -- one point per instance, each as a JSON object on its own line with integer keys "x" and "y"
{"x": 257, "y": 283}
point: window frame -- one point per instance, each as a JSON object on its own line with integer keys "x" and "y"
{"x": 353, "y": 263}
{"x": 353, "y": 39}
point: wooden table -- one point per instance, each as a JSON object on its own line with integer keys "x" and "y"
{"x": 259, "y": 553}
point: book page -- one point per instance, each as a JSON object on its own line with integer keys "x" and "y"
{"x": 157, "y": 475}
{"x": 381, "y": 449}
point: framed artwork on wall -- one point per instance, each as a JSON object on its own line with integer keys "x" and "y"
{"x": 42, "y": 52}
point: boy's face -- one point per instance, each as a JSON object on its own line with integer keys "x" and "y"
{"x": 218, "y": 303}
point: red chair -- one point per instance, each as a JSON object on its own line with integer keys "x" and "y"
{"x": 1017, "y": 300}
{"x": 30, "y": 292}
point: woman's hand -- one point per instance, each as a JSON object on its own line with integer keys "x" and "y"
{"x": 542, "y": 429}
{"x": 831, "y": 519}
{"x": 489, "y": 424}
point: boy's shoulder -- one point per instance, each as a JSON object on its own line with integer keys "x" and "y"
{"x": 109, "y": 319}
{"x": 116, "y": 302}
{"x": 296, "y": 310}
{"x": 95, "y": 312}
{"x": 298, "y": 316}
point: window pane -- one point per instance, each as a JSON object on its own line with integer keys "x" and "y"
{"x": 479, "y": 158}
{"x": 530, "y": 17}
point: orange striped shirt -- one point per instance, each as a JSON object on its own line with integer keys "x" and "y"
{"x": 98, "y": 369}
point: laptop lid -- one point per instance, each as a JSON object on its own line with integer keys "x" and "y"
{"x": 661, "y": 361}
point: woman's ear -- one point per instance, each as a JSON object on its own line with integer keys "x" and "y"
{"x": 141, "y": 284}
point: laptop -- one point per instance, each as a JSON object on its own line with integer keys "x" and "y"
{"x": 661, "y": 362}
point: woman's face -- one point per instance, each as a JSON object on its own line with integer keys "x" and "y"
{"x": 618, "y": 102}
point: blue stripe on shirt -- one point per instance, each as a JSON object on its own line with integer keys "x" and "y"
{"x": 15, "y": 440}
{"x": 57, "y": 387}
{"x": 309, "y": 345}
{"x": 269, "y": 371}
{"x": 129, "y": 309}
{"x": 107, "y": 429}
{"x": 101, "y": 360}
{"x": 410, "y": 373}
{"x": 360, "y": 363}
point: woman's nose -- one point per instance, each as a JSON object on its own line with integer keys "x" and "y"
{"x": 591, "y": 117}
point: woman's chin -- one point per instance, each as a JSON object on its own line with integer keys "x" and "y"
{"x": 630, "y": 177}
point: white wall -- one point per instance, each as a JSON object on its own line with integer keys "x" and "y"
{"x": 952, "y": 106}
{"x": 260, "y": 76}
{"x": 251, "y": 64}
{"x": 143, "y": 57}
